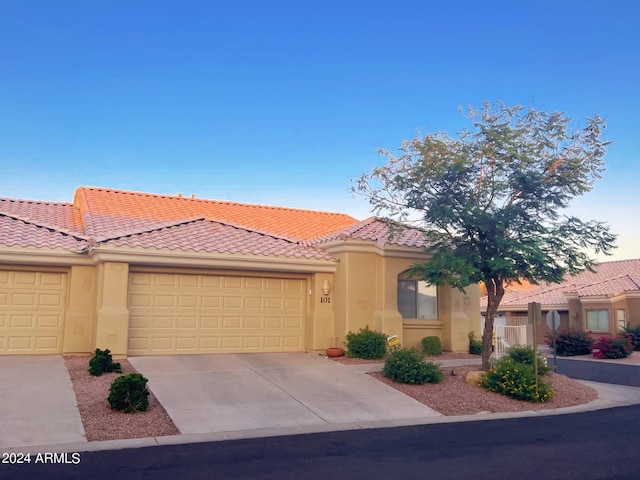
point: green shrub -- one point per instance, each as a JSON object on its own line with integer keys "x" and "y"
{"x": 432, "y": 346}
{"x": 516, "y": 380}
{"x": 524, "y": 354}
{"x": 608, "y": 347}
{"x": 570, "y": 343}
{"x": 366, "y": 344}
{"x": 634, "y": 333}
{"x": 475, "y": 346}
{"x": 103, "y": 363}
{"x": 407, "y": 365}
{"x": 128, "y": 393}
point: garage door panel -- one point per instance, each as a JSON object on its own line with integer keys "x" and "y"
{"x": 231, "y": 322}
{"x": 232, "y": 302}
{"x": 188, "y": 280}
{"x": 190, "y": 301}
{"x": 187, "y": 322}
{"x": 187, "y": 343}
{"x": 25, "y": 278}
{"x": 49, "y": 321}
{"x": 253, "y": 314}
{"x": 211, "y": 344}
{"x": 53, "y": 279}
{"x": 163, "y": 322}
{"x": 253, "y": 302}
{"x": 232, "y": 282}
{"x": 252, "y": 322}
{"x": 210, "y": 322}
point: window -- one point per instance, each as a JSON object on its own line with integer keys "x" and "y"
{"x": 621, "y": 314}
{"x": 598, "y": 320}
{"x": 417, "y": 299}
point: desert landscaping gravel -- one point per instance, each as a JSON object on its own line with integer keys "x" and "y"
{"x": 99, "y": 420}
{"x": 453, "y": 396}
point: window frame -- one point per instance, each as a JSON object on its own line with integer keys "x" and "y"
{"x": 622, "y": 326}
{"x": 416, "y": 302}
{"x": 598, "y": 311}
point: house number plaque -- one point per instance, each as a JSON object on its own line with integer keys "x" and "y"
{"x": 325, "y": 299}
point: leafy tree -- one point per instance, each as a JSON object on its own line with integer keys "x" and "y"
{"x": 491, "y": 199}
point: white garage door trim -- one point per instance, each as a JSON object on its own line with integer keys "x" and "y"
{"x": 181, "y": 313}
{"x": 32, "y": 305}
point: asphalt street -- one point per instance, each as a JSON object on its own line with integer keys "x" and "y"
{"x": 596, "y": 445}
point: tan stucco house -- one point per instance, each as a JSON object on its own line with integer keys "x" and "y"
{"x": 602, "y": 302}
{"x": 147, "y": 274}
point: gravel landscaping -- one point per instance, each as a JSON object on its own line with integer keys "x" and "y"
{"x": 99, "y": 420}
{"x": 453, "y": 396}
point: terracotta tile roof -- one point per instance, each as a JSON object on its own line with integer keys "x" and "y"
{"x": 57, "y": 215}
{"x": 381, "y": 231}
{"x": 107, "y": 213}
{"x": 609, "y": 279}
{"x": 202, "y": 235}
{"x": 16, "y": 232}
{"x": 113, "y": 217}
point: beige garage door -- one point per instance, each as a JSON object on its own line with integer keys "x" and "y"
{"x": 177, "y": 313}
{"x": 31, "y": 312}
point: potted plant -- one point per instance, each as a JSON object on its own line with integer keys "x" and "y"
{"x": 334, "y": 351}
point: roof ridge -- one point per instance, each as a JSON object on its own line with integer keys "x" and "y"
{"x": 635, "y": 280}
{"x": 585, "y": 284}
{"x": 196, "y": 220}
{"x": 158, "y": 228}
{"x": 86, "y": 218}
{"x": 255, "y": 230}
{"x": 37, "y": 202}
{"x": 208, "y": 200}
{"x": 53, "y": 228}
{"x": 350, "y": 230}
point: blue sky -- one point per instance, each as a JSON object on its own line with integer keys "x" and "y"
{"x": 283, "y": 102}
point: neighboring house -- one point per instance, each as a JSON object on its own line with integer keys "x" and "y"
{"x": 602, "y": 302}
{"x": 146, "y": 274}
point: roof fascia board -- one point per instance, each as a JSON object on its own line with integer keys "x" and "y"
{"x": 42, "y": 256}
{"x": 525, "y": 308}
{"x": 141, "y": 256}
{"x": 370, "y": 246}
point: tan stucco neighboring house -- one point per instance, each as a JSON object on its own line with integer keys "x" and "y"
{"x": 147, "y": 274}
{"x": 602, "y": 301}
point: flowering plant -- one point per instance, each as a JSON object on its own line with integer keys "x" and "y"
{"x": 571, "y": 342}
{"x": 609, "y": 347}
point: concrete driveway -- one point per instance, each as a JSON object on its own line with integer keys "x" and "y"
{"x": 232, "y": 392}
{"x": 37, "y": 402}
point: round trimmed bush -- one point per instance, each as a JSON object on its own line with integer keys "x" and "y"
{"x": 432, "y": 345}
{"x": 366, "y": 344}
{"x": 128, "y": 393}
{"x": 407, "y": 365}
{"x": 102, "y": 362}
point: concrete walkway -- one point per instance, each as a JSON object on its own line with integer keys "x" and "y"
{"x": 231, "y": 392}
{"x": 221, "y": 397}
{"x": 37, "y": 402}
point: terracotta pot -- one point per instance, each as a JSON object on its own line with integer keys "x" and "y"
{"x": 335, "y": 352}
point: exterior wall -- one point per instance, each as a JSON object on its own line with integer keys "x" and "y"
{"x": 366, "y": 293}
{"x": 633, "y": 312}
{"x": 460, "y": 314}
{"x": 79, "y": 319}
{"x": 320, "y": 325}
{"x": 112, "y": 314}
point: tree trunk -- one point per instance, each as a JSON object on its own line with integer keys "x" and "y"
{"x": 495, "y": 292}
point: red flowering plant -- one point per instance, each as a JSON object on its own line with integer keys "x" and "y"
{"x": 610, "y": 347}
{"x": 571, "y": 342}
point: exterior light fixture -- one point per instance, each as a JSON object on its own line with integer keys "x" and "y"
{"x": 326, "y": 287}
